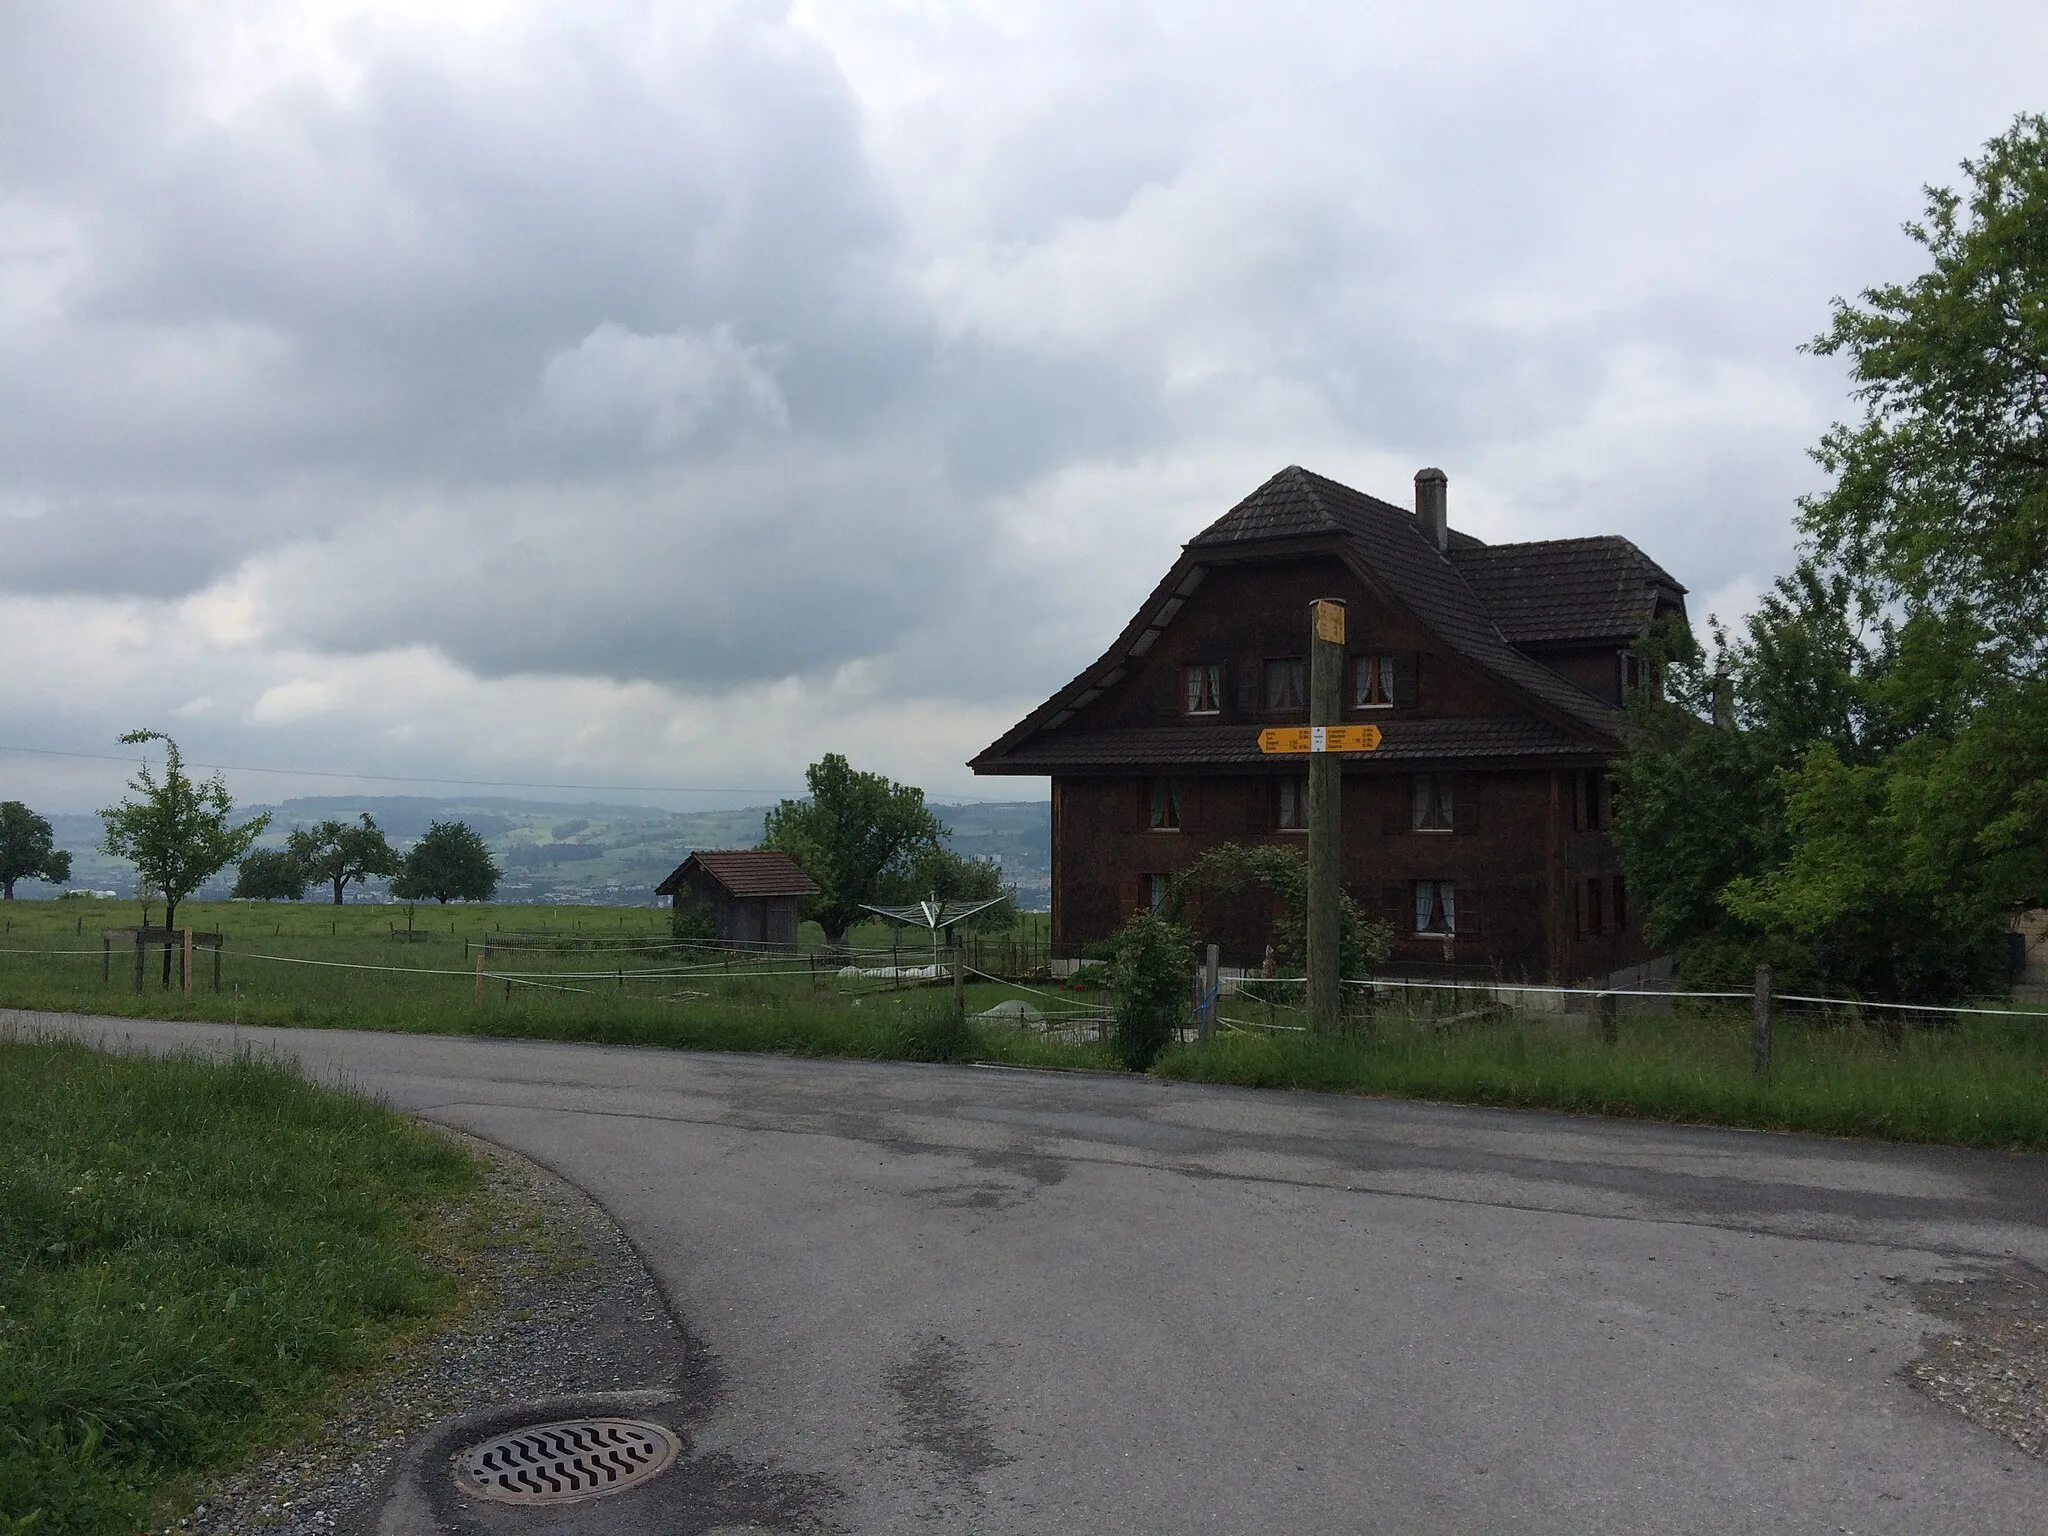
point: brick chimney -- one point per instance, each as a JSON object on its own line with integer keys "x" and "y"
{"x": 1431, "y": 513}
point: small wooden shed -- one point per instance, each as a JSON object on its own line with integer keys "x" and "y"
{"x": 749, "y": 895}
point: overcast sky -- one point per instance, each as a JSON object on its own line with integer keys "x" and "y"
{"x": 638, "y": 394}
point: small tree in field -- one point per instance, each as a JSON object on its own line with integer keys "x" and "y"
{"x": 175, "y": 832}
{"x": 856, "y": 836}
{"x": 270, "y": 875}
{"x": 1151, "y": 977}
{"x": 451, "y": 863}
{"x": 28, "y": 849}
{"x": 337, "y": 853}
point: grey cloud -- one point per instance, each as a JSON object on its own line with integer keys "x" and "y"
{"x": 621, "y": 350}
{"x": 113, "y": 551}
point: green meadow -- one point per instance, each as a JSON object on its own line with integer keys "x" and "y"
{"x": 603, "y": 974}
{"x": 612, "y": 975}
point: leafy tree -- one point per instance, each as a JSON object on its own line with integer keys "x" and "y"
{"x": 451, "y": 862}
{"x": 1940, "y": 494}
{"x": 175, "y": 832}
{"x": 28, "y": 849}
{"x": 856, "y": 835}
{"x": 1878, "y": 805}
{"x": 1151, "y": 979}
{"x": 940, "y": 872}
{"x": 270, "y": 874}
{"x": 1906, "y": 858}
{"x": 338, "y": 853}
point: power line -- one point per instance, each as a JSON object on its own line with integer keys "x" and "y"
{"x": 391, "y": 778}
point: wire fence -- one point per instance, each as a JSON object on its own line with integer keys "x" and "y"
{"x": 1229, "y": 1002}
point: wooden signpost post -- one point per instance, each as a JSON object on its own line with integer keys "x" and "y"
{"x": 1322, "y": 739}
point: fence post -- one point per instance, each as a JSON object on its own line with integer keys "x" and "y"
{"x": 106, "y": 960}
{"x": 959, "y": 982}
{"x": 1610, "y": 1028}
{"x": 138, "y": 959}
{"x": 1212, "y": 991}
{"x": 479, "y": 976}
{"x": 187, "y": 970}
{"x": 223, "y": 939}
{"x": 1760, "y": 1023}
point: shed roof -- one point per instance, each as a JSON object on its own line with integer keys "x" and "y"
{"x": 745, "y": 872}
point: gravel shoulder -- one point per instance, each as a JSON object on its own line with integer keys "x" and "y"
{"x": 559, "y": 1304}
{"x": 1993, "y": 1368}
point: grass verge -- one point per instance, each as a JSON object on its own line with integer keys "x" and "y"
{"x": 1979, "y": 1082}
{"x": 192, "y": 1256}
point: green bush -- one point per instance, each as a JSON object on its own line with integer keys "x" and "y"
{"x": 1362, "y": 946}
{"x": 1151, "y": 975}
{"x": 692, "y": 920}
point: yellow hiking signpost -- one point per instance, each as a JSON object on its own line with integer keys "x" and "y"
{"x": 1320, "y": 738}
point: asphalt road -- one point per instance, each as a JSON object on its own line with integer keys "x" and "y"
{"x": 986, "y": 1300}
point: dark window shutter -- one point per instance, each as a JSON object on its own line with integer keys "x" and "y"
{"x": 1407, "y": 680}
{"x": 1397, "y": 906}
{"x": 1247, "y": 700}
{"x": 1471, "y": 912}
{"x": 1467, "y": 820}
{"x": 1130, "y": 896}
{"x": 1397, "y": 792}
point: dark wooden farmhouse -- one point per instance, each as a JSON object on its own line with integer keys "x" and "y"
{"x": 1496, "y": 673}
{"x": 743, "y": 896}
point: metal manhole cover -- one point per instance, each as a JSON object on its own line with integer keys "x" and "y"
{"x": 567, "y": 1461}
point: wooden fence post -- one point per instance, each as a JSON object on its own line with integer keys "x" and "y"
{"x": 106, "y": 960}
{"x": 186, "y": 976}
{"x": 1212, "y": 991}
{"x": 1760, "y": 1023}
{"x": 479, "y": 975}
{"x": 138, "y": 959}
{"x": 1610, "y": 1028}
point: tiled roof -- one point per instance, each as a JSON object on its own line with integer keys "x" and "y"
{"x": 1560, "y": 590}
{"x": 1203, "y": 746}
{"x": 1454, "y": 594}
{"x": 1297, "y": 503}
{"x": 745, "y": 872}
{"x": 1387, "y": 542}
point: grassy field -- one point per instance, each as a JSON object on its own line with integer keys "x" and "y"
{"x": 192, "y": 1257}
{"x": 565, "y": 973}
{"x": 1978, "y": 1081}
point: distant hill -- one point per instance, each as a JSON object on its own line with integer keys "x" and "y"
{"x": 553, "y": 851}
